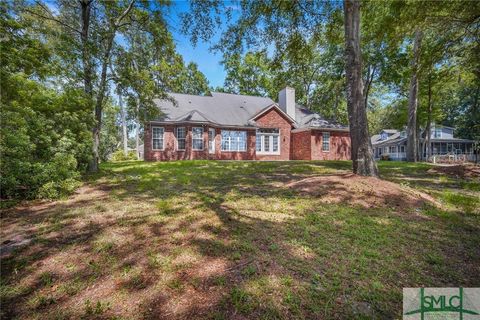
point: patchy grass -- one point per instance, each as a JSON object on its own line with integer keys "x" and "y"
{"x": 206, "y": 239}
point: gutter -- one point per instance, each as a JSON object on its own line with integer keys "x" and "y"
{"x": 321, "y": 129}
{"x": 203, "y": 123}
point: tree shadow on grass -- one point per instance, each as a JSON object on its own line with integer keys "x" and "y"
{"x": 226, "y": 243}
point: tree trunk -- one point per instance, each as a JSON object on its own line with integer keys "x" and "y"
{"x": 412, "y": 138}
{"x": 124, "y": 124}
{"x": 361, "y": 147}
{"x": 86, "y": 6}
{"x": 428, "y": 149}
{"x": 99, "y": 104}
{"x": 137, "y": 129}
{"x": 366, "y": 91}
{"x": 110, "y": 36}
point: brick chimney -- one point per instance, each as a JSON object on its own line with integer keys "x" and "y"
{"x": 286, "y": 101}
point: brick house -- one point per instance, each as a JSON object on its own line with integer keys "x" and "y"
{"x": 224, "y": 126}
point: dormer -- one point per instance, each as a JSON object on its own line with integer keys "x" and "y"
{"x": 441, "y": 132}
{"x": 387, "y": 133}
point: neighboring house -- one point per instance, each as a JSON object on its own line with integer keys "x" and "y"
{"x": 393, "y": 143}
{"x": 236, "y": 127}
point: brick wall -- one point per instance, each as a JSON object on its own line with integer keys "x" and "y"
{"x": 339, "y": 146}
{"x": 170, "y": 151}
{"x": 274, "y": 119}
{"x": 301, "y": 145}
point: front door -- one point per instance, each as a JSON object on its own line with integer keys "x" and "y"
{"x": 211, "y": 140}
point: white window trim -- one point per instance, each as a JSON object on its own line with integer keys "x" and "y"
{"x": 230, "y": 142}
{"x": 270, "y": 142}
{"x": 329, "y": 142}
{"x": 176, "y": 136}
{"x": 163, "y": 138}
{"x": 203, "y": 139}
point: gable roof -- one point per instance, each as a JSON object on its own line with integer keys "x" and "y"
{"x": 265, "y": 110}
{"x": 225, "y": 109}
{"x": 394, "y": 136}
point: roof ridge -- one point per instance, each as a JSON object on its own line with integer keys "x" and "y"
{"x": 188, "y": 94}
{"x": 240, "y": 95}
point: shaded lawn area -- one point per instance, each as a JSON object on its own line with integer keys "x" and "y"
{"x": 229, "y": 240}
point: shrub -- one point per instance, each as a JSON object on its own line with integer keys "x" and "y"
{"x": 55, "y": 190}
{"x": 120, "y": 156}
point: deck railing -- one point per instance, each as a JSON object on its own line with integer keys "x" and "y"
{"x": 452, "y": 157}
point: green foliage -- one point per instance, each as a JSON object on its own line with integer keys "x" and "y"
{"x": 300, "y": 44}
{"x": 119, "y": 155}
{"x": 45, "y": 132}
{"x": 110, "y": 137}
{"x": 250, "y": 75}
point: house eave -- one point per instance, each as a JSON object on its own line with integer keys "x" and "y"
{"x": 203, "y": 123}
{"x": 321, "y": 129}
{"x": 273, "y": 105}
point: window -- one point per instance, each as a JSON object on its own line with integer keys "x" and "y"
{"x": 393, "y": 149}
{"x": 437, "y": 133}
{"x": 157, "y": 138}
{"x": 268, "y": 141}
{"x": 197, "y": 138}
{"x": 402, "y": 148}
{"x": 234, "y": 140}
{"x": 181, "y": 135}
{"x": 325, "y": 141}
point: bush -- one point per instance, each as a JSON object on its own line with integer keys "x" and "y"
{"x": 120, "y": 156}
{"x": 55, "y": 190}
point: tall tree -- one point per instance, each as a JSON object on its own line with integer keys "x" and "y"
{"x": 250, "y": 74}
{"x": 287, "y": 26}
{"x": 90, "y": 30}
{"x": 362, "y": 153}
{"x": 412, "y": 137}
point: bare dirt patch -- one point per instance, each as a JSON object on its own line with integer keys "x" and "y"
{"x": 367, "y": 192}
{"x": 469, "y": 170}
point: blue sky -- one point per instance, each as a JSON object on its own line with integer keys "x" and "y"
{"x": 208, "y": 62}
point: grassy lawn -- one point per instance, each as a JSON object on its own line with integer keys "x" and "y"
{"x": 240, "y": 240}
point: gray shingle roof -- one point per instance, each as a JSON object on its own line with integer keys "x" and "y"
{"x": 306, "y": 118}
{"x": 229, "y": 110}
{"x": 390, "y": 131}
{"x": 219, "y": 108}
{"x": 393, "y": 138}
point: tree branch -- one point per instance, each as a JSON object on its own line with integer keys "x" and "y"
{"x": 51, "y": 17}
{"x": 124, "y": 14}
